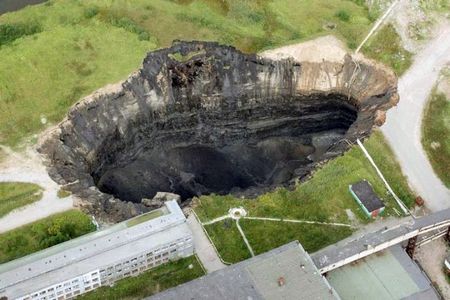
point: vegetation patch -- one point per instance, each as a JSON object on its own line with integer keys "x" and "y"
{"x": 17, "y": 194}
{"x": 184, "y": 58}
{"x": 44, "y": 233}
{"x": 150, "y": 282}
{"x": 228, "y": 241}
{"x": 386, "y": 47}
{"x": 324, "y": 198}
{"x": 129, "y": 25}
{"x": 435, "y": 134}
{"x": 62, "y": 193}
{"x": 145, "y": 217}
{"x": 266, "y": 235}
{"x": 10, "y": 32}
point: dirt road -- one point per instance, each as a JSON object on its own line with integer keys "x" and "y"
{"x": 431, "y": 257}
{"x": 28, "y": 167}
{"x": 403, "y": 126}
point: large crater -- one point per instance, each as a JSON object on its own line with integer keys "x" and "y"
{"x": 201, "y": 118}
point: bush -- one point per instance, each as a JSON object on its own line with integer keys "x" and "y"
{"x": 91, "y": 12}
{"x": 11, "y": 32}
{"x": 343, "y": 15}
{"x": 129, "y": 25}
{"x": 43, "y": 234}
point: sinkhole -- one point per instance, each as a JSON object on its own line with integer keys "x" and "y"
{"x": 200, "y": 118}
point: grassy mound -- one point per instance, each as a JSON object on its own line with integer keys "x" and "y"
{"x": 17, "y": 194}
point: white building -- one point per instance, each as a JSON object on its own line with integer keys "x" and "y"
{"x": 100, "y": 258}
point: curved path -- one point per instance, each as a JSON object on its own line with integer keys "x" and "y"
{"x": 403, "y": 126}
{"x": 28, "y": 167}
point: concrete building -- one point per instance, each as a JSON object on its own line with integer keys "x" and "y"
{"x": 100, "y": 258}
{"x": 286, "y": 272}
{"x": 390, "y": 275}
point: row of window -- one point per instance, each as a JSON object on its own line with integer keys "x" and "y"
{"x": 129, "y": 267}
{"x": 68, "y": 289}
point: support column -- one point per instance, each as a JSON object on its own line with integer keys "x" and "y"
{"x": 411, "y": 247}
{"x": 447, "y": 235}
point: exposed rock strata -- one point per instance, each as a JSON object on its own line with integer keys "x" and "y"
{"x": 200, "y": 102}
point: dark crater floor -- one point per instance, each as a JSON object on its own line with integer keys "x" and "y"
{"x": 287, "y": 147}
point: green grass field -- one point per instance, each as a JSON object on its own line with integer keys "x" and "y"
{"x": 44, "y": 233}
{"x": 324, "y": 198}
{"x": 17, "y": 194}
{"x": 228, "y": 241}
{"x": 150, "y": 282}
{"x": 385, "y": 46}
{"x": 265, "y": 235}
{"x": 435, "y": 135}
{"x": 54, "y": 53}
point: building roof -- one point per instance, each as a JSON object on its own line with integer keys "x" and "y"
{"x": 82, "y": 255}
{"x": 364, "y": 192}
{"x": 334, "y": 255}
{"x": 286, "y": 272}
{"x": 390, "y": 274}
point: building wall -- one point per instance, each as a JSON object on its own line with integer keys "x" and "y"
{"x": 132, "y": 266}
{"x": 157, "y": 241}
{"x": 107, "y": 275}
{"x": 68, "y": 288}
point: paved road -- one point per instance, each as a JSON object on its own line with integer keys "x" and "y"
{"x": 203, "y": 247}
{"x": 403, "y": 126}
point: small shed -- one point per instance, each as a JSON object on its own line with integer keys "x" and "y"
{"x": 364, "y": 194}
